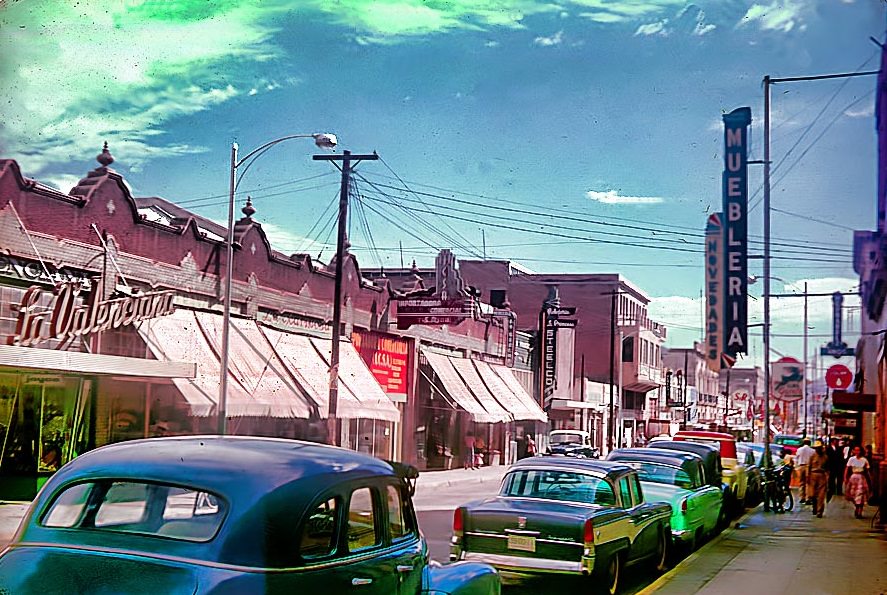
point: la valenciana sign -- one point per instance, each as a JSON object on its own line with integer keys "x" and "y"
{"x": 68, "y": 317}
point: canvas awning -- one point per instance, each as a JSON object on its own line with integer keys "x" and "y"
{"x": 14, "y": 356}
{"x": 519, "y": 408}
{"x": 466, "y": 369}
{"x": 517, "y": 388}
{"x": 360, "y": 396}
{"x": 257, "y": 368}
{"x": 178, "y": 337}
{"x": 456, "y": 388}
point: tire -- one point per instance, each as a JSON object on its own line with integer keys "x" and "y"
{"x": 661, "y": 557}
{"x": 789, "y": 502}
{"x": 608, "y": 580}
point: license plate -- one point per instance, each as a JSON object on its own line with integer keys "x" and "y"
{"x": 522, "y": 543}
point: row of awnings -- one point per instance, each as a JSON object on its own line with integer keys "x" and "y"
{"x": 489, "y": 393}
{"x": 272, "y": 373}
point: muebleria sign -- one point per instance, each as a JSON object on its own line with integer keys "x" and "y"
{"x": 68, "y": 317}
{"x": 735, "y": 191}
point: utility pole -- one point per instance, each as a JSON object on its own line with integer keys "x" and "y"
{"x": 806, "y": 375}
{"x": 767, "y": 271}
{"x": 333, "y": 434}
{"x": 611, "y": 419}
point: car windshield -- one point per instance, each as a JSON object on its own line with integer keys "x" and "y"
{"x": 566, "y": 439}
{"x": 568, "y": 486}
{"x": 659, "y": 473}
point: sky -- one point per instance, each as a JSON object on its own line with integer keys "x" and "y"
{"x": 567, "y": 135}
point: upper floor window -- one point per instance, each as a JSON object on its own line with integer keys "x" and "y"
{"x": 628, "y": 349}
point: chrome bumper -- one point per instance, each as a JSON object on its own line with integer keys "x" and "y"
{"x": 685, "y": 536}
{"x": 524, "y": 565}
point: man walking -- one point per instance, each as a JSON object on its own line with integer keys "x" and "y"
{"x": 802, "y": 461}
{"x": 818, "y": 477}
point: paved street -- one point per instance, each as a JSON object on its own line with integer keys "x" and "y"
{"x": 765, "y": 553}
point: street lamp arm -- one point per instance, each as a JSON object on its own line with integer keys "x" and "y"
{"x": 321, "y": 139}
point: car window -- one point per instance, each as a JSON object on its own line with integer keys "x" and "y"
{"x": 558, "y": 485}
{"x": 363, "y": 531}
{"x": 636, "y": 493}
{"x": 318, "y": 535}
{"x": 174, "y": 512}
{"x": 625, "y": 493}
{"x": 398, "y": 519}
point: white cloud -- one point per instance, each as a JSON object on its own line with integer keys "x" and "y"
{"x": 555, "y": 39}
{"x": 612, "y": 197}
{"x": 779, "y": 15}
{"x": 658, "y": 28}
{"x": 492, "y": 44}
{"x": 604, "y": 17}
{"x": 252, "y": 92}
{"x": 864, "y": 111}
{"x": 702, "y": 28}
{"x": 286, "y": 241}
{"x": 63, "y": 182}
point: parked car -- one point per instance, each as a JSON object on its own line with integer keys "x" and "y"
{"x": 790, "y": 442}
{"x": 678, "y": 479}
{"x": 567, "y": 516}
{"x": 226, "y": 515}
{"x": 571, "y": 443}
{"x": 711, "y": 467}
{"x": 734, "y": 472}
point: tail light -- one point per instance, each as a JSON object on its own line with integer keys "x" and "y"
{"x": 459, "y": 521}
{"x": 684, "y": 505}
{"x": 588, "y": 533}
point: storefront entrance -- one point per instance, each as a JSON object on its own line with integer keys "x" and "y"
{"x": 45, "y": 421}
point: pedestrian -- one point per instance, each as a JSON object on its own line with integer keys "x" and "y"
{"x": 802, "y": 460}
{"x": 531, "y": 446}
{"x": 835, "y": 468}
{"x": 817, "y": 479}
{"x": 468, "y": 461}
{"x": 479, "y": 447}
{"x": 857, "y": 480}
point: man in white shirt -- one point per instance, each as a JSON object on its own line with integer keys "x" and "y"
{"x": 802, "y": 464}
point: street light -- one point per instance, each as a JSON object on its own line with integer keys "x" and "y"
{"x": 322, "y": 140}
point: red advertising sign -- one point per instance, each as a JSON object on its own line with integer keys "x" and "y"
{"x": 838, "y": 376}
{"x": 388, "y": 359}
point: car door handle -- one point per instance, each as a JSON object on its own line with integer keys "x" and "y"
{"x": 404, "y": 568}
{"x": 361, "y": 581}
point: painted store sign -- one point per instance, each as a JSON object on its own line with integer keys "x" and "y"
{"x": 388, "y": 359}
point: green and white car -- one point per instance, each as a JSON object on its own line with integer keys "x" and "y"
{"x": 676, "y": 478}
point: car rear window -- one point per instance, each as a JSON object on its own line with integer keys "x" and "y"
{"x": 558, "y": 485}
{"x": 174, "y": 512}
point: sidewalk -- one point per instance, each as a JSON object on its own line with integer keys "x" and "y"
{"x": 435, "y": 479}
{"x": 11, "y": 514}
{"x": 787, "y": 554}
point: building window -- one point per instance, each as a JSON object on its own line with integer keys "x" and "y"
{"x": 628, "y": 349}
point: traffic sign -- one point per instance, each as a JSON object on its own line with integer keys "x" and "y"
{"x": 838, "y": 376}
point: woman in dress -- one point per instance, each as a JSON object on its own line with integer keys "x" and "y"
{"x": 857, "y": 480}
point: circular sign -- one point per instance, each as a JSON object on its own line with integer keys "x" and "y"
{"x": 838, "y": 376}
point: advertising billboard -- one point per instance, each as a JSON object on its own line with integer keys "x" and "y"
{"x": 388, "y": 359}
{"x": 735, "y": 193}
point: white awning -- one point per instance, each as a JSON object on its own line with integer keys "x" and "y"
{"x": 517, "y": 388}
{"x": 255, "y": 366}
{"x": 356, "y": 378}
{"x": 177, "y": 336}
{"x": 466, "y": 369}
{"x": 457, "y": 389}
{"x": 14, "y": 356}
{"x": 505, "y": 395}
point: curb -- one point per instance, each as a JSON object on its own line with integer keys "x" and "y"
{"x": 661, "y": 581}
{"x": 440, "y": 483}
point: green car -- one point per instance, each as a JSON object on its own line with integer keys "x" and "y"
{"x": 677, "y": 478}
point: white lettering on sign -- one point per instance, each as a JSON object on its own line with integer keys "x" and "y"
{"x": 65, "y": 319}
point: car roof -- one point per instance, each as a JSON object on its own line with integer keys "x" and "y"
{"x": 696, "y": 447}
{"x": 608, "y": 468}
{"x": 706, "y": 434}
{"x": 654, "y": 455}
{"x": 582, "y": 432}
{"x": 222, "y": 464}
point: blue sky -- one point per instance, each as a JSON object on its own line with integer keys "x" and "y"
{"x": 590, "y": 110}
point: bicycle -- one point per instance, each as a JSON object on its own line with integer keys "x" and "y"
{"x": 777, "y": 489}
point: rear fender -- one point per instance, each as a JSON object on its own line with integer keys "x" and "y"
{"x": 460, "y": 578}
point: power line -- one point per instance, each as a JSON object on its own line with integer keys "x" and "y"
{"x": 257, "y": 190}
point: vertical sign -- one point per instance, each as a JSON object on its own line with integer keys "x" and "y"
{"x": 714, "y": 294}
{"x": 735, "y": 189}
{"x": 549, "y": 355}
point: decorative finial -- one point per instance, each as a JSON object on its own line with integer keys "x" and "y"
{"x": 414, "y": 269}
{"x": 105, "y": 158}
{"x": 382, "y": 272}
{"x": 248, "y": 208}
